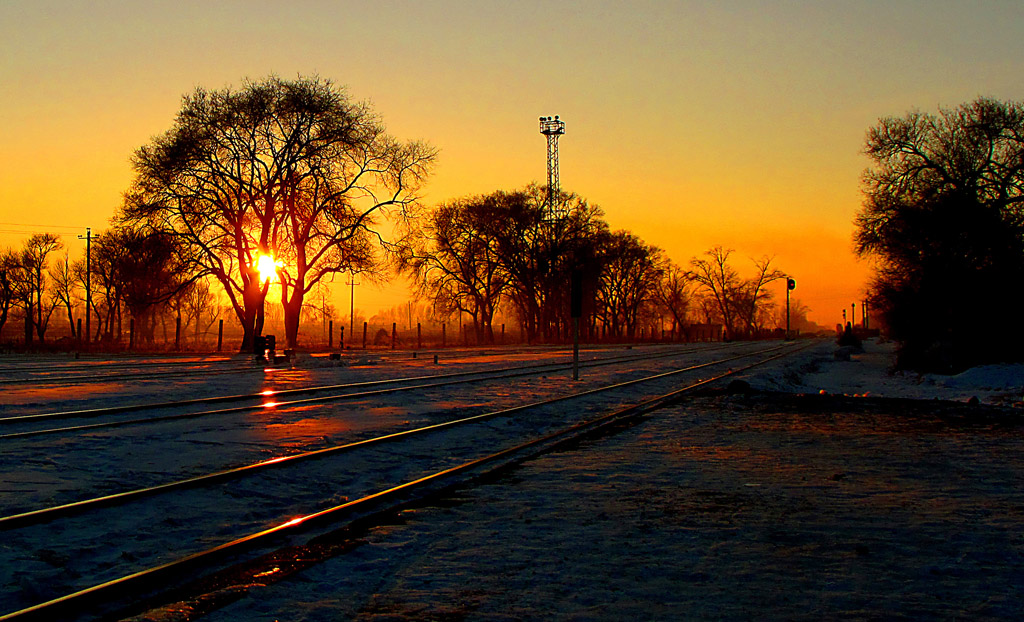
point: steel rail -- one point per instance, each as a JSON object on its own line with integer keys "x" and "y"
{"x": 147, "y": 375}
{"x": 516, "y": 372}
{"x": 132, "y": 583}
{"x": 42, "y": 515}
{"x": 246, "y": 365}
{"x": 112, "y": 410}
{"x": 98, "y": 364}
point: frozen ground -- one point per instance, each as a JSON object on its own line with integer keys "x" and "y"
{"x": 869, "y": 373}
{"x": 727, "y": 507}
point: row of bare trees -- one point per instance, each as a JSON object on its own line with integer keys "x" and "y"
{"x": 132, "y": 273}
{"x": 479, "y": 254}
{"x": 290, "y": 182}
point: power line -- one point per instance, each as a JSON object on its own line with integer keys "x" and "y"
{"x": 63, "y": 235}
{"x": 23, "y": 224}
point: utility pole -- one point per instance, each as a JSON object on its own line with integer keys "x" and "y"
{"x": 352, "y": 305}
{"x": 790, "y": 286}
{"x": 88, "y": 280}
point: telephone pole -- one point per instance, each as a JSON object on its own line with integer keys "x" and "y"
{"x": 88, "y": 280}
{"x": 352, "y": 305}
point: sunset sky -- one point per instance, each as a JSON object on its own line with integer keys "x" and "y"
{"x": 691, "y": 124}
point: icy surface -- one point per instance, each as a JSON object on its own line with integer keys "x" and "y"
{"x": 715, "y": 510}
{"x": 870, "y": 373}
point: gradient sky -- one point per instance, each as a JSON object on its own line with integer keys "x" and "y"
{"x": 690, "y": 123}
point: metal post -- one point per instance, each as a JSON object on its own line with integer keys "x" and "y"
{"x": 394, "y": 334}
{"x": 330, "y": 334}
{"x": 444, "y": 326}
{"x": 79, "y": 330}
{"x": 341, "y": 337}
{"x": 364, "y": 335}
{"x": 88, "y": 281}
{"x": 575, "y": 348}
{"x": 419, "y": 336}
{"x": 787, "y": 312}
{"x": 352, "y": 306}
{"x": 131, "y": 334}
{"x": 220, "y": 335}
{"x": 177, "y": 333}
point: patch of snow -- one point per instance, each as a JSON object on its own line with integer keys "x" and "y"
{"x": 870, "y": 373}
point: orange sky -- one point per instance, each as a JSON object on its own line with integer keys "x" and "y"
{"x": 691, "y": 123}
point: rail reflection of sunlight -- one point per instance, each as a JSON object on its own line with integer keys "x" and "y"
{"x": 277, "y": 378}
{"x": 14, "y": 395}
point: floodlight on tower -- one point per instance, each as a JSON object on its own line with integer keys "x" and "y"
{"x": 553, "y": 128}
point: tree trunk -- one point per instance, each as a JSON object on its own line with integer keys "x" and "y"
{"x": 250, "y": 314}
{"x": 28, "y": 325}
{"x": 292, "y": 314}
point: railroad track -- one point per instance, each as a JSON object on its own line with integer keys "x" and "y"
{"x": 375, "y": 472}
{"x": 92, "y": 371}
{"x": 261, "y": 399}
{"x": 108, "y": 455}
{"x": 86, "y": 371}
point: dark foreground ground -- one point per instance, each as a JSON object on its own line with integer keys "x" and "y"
{"x": 728, "y": 508}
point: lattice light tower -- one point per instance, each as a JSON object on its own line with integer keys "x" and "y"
{"x": 553, "y": 128}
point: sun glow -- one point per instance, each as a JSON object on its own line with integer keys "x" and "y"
{"x": 267, "y": 267}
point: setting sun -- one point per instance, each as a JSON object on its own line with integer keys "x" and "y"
{"x": 267, "y": 268}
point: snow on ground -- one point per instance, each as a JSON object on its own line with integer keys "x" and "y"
{"x": 721, "y": 508}
{"x": 715, "y": 509}
{"x": 870, "y": 373}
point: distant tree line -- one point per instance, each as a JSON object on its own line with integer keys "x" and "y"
{"x": 479, "y": 254}
{"x": 289, "y": 182}
{"x": 944, "y": 222}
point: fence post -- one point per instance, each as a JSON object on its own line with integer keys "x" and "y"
{"x": 341, "y": 338}
{"x": 364, "y": 335}
{"x": 177, "y": 333}
{"x": 220, "y": 335}
{"x": 330, "y": 334}
{"x": 394, "y": 334}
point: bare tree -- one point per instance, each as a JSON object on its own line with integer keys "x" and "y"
{"x": 674, "y": 293}
{"x": 756, "y": 308}
{"x": 720, "y": 281}
{"x": 64, "y": 288}
{"x": 457, "y": 264}
{"x": 285, "y": 168}
{"x": 629, "y": 278}
{"x": 31, "y": 282}
{"x": 943, "y": 217}
{"x": 198, "y": 307}
{"x": 740, "y": 303}
{"x": 8, "y": 266}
